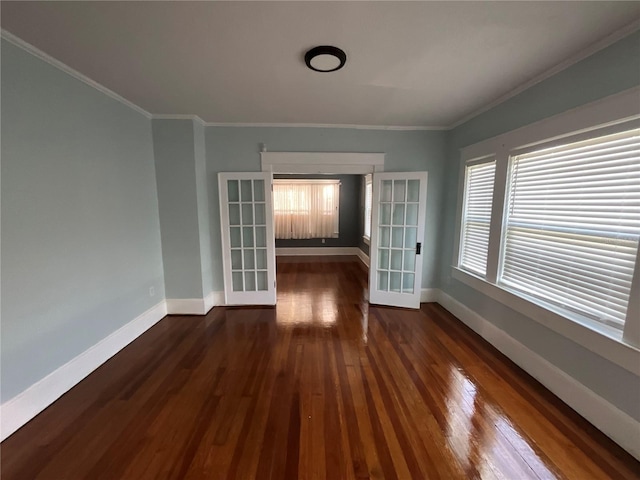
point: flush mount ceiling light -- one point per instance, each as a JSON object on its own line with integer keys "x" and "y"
{"x": 325, "y": 58}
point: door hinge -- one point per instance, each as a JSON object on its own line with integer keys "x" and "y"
{"x": 418, "y": 248}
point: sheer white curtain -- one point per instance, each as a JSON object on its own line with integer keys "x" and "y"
{"x": 306, "y": 208}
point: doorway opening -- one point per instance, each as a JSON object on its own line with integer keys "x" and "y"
{"x": 397, "y": 213}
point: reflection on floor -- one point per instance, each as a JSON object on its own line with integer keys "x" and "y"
{"x": 322, "y": 386}
{"x": 311, "y": 290}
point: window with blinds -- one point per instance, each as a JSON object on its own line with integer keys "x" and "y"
{"x": 573, "y": 225}
{"x": 478, "y": 195}
{"x": 368, "y": 198}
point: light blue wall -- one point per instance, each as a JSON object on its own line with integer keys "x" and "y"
{"x": 80, "y": 230}
{"x": 232, "y": 149}
{"x": 204, "y": 218}
{"x": 609, "y": 71}
{"x": 174, "y": 149}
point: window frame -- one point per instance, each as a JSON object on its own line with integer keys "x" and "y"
{"x": 313, "y": 181}
{"x": 368, "y": 183}
{"x": 468, "y": 165}
{"x": 594, "y": 137}
{"x": 612, "y": 114}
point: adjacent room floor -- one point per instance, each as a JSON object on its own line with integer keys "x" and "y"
{"x": 322, "y": 386}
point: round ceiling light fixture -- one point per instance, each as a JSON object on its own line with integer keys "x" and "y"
{"x": 325, "y": 58}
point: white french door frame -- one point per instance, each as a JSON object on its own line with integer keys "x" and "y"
{"x": 244, "y": 274}
{"x": 290, "y": 163}
{"x": 403, "y": 297}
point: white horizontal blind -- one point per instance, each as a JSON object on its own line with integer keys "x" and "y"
{"x": 478, "y": 195}
{"x": 573, "y": 224}
{"x": 304, "y": 209}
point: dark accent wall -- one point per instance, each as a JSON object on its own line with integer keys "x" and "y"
{"x": 350, "y": 217}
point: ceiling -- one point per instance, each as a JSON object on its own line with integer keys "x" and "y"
{"x": 408, "y": 63}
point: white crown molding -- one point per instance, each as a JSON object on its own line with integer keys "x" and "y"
{"x": 325, "y": 125}
{"x": 36, "y": 52}
{"x": 170, "y": 116}
{"x": 606, "y": 417}
{"x": 581, "y": 55}
{"x": 17, "y": 411}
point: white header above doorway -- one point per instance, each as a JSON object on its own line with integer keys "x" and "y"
{"x": 322, "y": 162}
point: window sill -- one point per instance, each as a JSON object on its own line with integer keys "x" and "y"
{"x": 366, "y": 240}
{"x": 606, "y": 342}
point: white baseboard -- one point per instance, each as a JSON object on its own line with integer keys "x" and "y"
{"x": 364, "y": 258}
{"x": 613, "y": 422}
{"x": 292, "y": 251}
{"x": 212, "y": 300}
{"x": 620, "y": 427}
{"x": 194, "y": 306}
{"x": 23, "y": 407}
{"x": 185, "y": 306}
{"x": 428, "y": 295}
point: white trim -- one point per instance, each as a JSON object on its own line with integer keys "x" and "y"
{"x": 581, "y": 55}
{"x": 247, "y": 297}
{"x": 313, "y": 251}
{"x": 613, "y": 422}
{"x": 14, "y": 413}
{"x": 311, "y": 169}
{"x": 586, "y": 52}
{"x": 322, "y": 162}
{"x": 366, "y": 239}
{"x": 36, "y": 52}
{"x": 213, "y": 300}
{"x": 323, "y": 251}
{"x": 613, "y": 113}
{"x": 178, "y": 116}
{"x": 614, "y": 109}
{"x": 428, "y": 295}
{"x": 185, "y": 306}
{"x": 306, "y": 181}
{"x": 600, "y": 340}
{"x": 327, "y": 125}
{"x": 387, "y": 297}
{"x": 321, "y": 158}
{"x": 364, "y": 258}
{"x": 194, "y": 306}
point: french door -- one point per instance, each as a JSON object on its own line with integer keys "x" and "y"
{"x": 248, "y": 241}
{"x": 397, "y": 235}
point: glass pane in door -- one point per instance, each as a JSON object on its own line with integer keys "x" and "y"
{"x": 246, "y": 199}
{"x": 248, "y": 245}
{"x": 397, "y": 220}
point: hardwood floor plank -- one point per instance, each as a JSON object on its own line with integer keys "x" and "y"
{"x": 323, "y": 386}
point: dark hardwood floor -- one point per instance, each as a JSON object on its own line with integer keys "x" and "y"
{"x": 323, "y": 386}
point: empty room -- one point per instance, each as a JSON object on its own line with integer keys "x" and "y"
{"x": 320, "y": 240}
